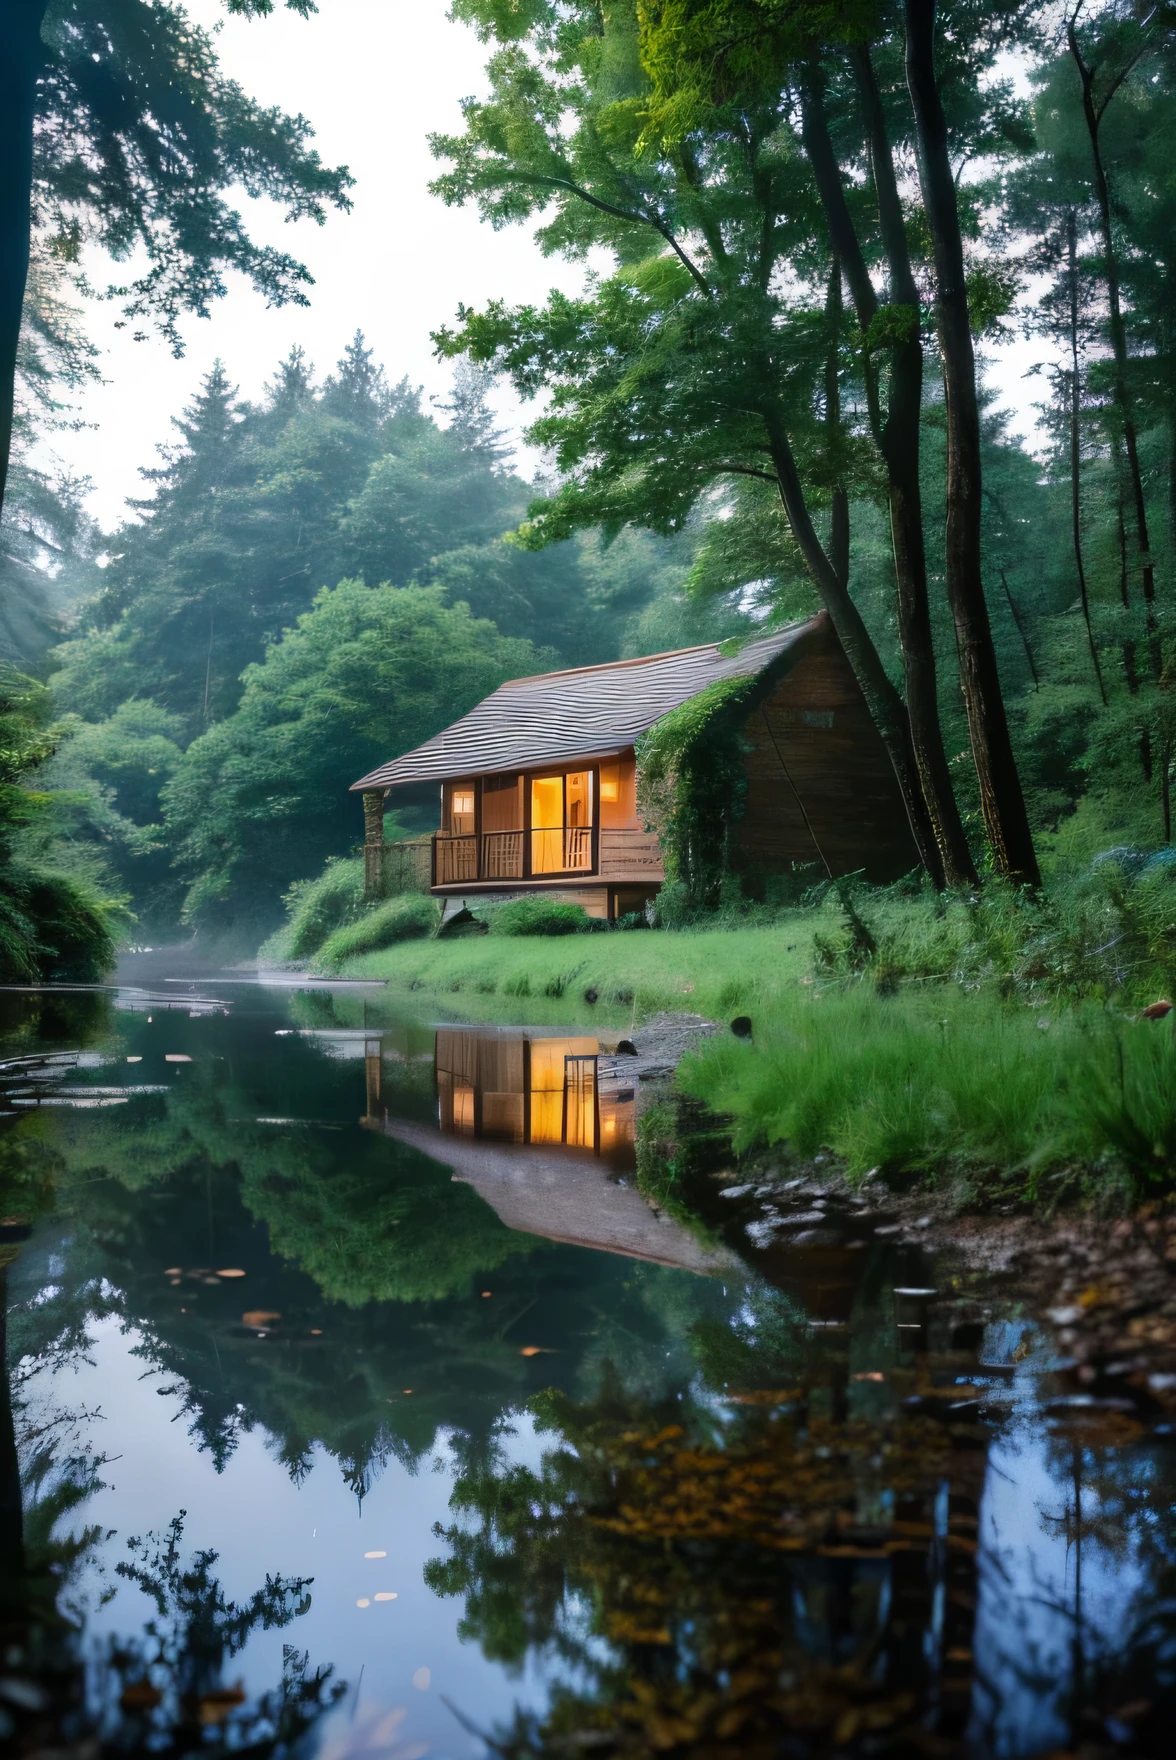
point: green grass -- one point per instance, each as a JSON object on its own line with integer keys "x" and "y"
{"x": 950, "y": 1081}
{"x": 715, "y": 972}
{"x": 990, "y": 1040}
{"x": 407, "y": 918}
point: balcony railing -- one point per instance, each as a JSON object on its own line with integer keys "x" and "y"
{"x": 498, "y": 855}
{"x": 561, "y": 849}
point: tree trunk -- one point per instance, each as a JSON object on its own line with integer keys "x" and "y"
{"x": 898, "y": 440}
{"x": 839, "y": 516}
{"x": 882, "y": 700}
{"x": 1076, "y": 444}
{"x": 1021, "y": 631}
{"x": 1118, "y": 331}
{"x": 20, "y": 62}
{"x": 1001, "y": 799}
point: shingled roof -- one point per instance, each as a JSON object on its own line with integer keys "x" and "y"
{"x": 588, "y": 712}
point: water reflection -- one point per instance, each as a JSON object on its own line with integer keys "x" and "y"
{"x": 326, "y": 1278}
{"x": 512, "y": 1086}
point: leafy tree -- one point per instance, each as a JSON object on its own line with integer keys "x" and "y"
{"x": 53, "y": 923}
{"x": 260, "y": 799}
{"x": 705, "y": 168}
{"x": 118, "y": 128}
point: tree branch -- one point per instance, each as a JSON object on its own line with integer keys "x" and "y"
{"x": 638, "y": 219}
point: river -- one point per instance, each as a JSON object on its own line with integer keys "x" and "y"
{"x": 360, "y": 1396}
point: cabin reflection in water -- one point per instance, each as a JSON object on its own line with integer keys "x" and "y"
{"x": 518, "y": 1086}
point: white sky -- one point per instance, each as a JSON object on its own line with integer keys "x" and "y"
{"x": 374, "y": 77}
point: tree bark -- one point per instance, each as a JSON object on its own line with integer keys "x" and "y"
{"x": 839, "y": 516}
{"x": 1001, "y": 799}
{"x": 20, "y": 63}
{"x": 1076, "y": 443}
{"x": 882, "y": 699}
{"x": 898, "y": 440}
{"x": 1118, "y": 329}
{"x": 1021, "y": 631}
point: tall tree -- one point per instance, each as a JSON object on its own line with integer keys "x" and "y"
{"x": 695, "y": 362}
{"x": 898, "y": 432}
{"x": 118, "y": 128}
{"x": 1002, "y": 801}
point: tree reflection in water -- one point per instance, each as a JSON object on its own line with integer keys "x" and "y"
{"x": 783, "y": 1511}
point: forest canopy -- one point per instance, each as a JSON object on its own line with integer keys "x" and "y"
{"x": 804, "y": 236}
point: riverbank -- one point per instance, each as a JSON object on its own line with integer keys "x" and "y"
{"x": 622, "y": 978}
{"x": 993, "y": 1091}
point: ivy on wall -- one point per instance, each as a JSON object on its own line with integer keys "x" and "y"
{"x": 691, "y": 788}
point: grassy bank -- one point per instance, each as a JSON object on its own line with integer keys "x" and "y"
{"x": 951, "y": 1085}
{"x": 719, "y": 973}
{"x": 989, "y": 1040}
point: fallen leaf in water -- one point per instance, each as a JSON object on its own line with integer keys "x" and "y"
{"x": 234, "y": 1272}
{"x": 387, "y": 1595}
{"x": 176, "y": 1057}
{"x": 259, "y": 1317}
{"x": 215, "y": 1707}
{"x": 174, "y": 1271}
{"x": 870, "y": 1375}
{"x": 375, "y": 1555}
{"x": 140, "y": 1696}
{"x": 531, "y": 1350}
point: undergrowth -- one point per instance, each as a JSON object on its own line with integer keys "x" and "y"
{"x": 944, "y": 1084}
{"x": 407, "y": 918}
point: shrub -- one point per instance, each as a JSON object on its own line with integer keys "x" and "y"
{"x": 55, "y": 927}
{"x": 401, "y": 919}
{"x": 318, "y": 907}
{"x": 540, "y": 916}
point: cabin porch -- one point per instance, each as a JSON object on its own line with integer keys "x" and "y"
{"x": 543, "y": 829}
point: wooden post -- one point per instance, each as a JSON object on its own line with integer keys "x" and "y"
{"x": 373, "y": 843}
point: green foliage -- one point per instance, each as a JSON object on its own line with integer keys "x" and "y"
{"x": 320, "y": 906}
{"x": 947, "y": 1083}
{"x": 53, "y": 924}
{"x": 133, "y": 92}
{"x": 55, "y": 927}
{"x": 400, "y": 919}
{"x": 539, "y": 916}
{"x": 690, "y": 783}
{"x": 261, "y": 799}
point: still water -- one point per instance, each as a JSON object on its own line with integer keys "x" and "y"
{"x": 358, "y": 1393}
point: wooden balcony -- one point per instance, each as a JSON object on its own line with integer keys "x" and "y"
{"x": 462, "y": 858}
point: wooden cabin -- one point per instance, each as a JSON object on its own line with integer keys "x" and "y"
{"x": 539, "y": 785}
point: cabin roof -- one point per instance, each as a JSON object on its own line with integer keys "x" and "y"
{"x": 587, "y": 712}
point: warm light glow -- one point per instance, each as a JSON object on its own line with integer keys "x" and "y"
{"x": 463, "y": 800}
{"x": 463, "y": 1111}
{"x": 610, "y": 782}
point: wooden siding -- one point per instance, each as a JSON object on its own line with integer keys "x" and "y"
{"x": 630, "y": 856}
{"x": 820, "y": 787}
